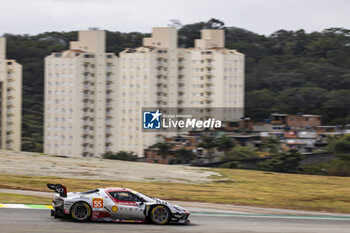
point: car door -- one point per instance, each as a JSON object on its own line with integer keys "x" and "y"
{"x": 127, "y": 206}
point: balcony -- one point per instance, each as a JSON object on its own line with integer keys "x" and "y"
{"x": 85, "y": 149}
{"x": 109, "y": 78}
{"x": 108, "y": 122}
{"x": 86, "y": 140}
{"x": 87, "y": 123}
{"x": 9, "y": 76}
{"x": 86, "y": 131}
{"x": 9, "y": 103}
{"x": 10, "y": 85}
{"x": 109, "y": 68}
{"x": 9, "y": 67}
{"x": 86, "y": 78}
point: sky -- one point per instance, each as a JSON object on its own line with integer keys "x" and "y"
{"x": 259, "y": 16}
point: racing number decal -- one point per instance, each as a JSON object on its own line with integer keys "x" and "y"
{"x": 97, "y": 203}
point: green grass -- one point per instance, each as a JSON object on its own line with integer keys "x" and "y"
{"x": 22, "y": 199}
{"x": 257, "y": 188}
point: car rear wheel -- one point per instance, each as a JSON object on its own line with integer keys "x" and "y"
{"x": 160, "y": 215}
{"x": 81, "y": 212}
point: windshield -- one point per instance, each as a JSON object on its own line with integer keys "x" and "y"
{"x": 143, "y": 196}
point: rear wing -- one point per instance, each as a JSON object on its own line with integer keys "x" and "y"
{"x": 58, "y": 188}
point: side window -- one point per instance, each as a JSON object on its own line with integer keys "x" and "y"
{"x": 124, "y": 196}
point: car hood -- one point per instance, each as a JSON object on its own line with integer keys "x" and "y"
{"x": 173, "y": 207}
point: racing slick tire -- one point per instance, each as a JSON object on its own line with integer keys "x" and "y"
{"x": 160, "y": 215}
{"x": 81, "y": 212}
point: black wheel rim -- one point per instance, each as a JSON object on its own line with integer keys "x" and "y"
{"x": 160, "y": 215}
{"x": 81, "y": 212}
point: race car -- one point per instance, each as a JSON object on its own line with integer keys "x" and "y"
{"x": 114, "y": 205}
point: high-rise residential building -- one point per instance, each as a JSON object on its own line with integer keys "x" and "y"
{"x": 161, "y": 75}
{"x": 94, "y": 101}
{"x": 10, "y": 101}
{"x": 80, "y": 86}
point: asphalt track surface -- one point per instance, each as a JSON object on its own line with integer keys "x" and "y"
{"x": 39, "y": 220}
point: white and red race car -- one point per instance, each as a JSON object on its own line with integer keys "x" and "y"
{"x": 114, "y": 205}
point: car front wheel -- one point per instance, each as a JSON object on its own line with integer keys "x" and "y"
{"x": 160, "y": 215}
{"x": 81, "y": 212}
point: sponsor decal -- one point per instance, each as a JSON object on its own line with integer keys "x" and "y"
{"x": 115, "y": 208}
{"x": 97, "y": 203}
{"x": 127, "y": 203}
{"x": 99, "y": 214}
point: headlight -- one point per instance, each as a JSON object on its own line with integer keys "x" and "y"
{"x": 178, "y": 208}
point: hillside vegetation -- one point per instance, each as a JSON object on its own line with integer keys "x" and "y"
{"x": 287, "y": 71}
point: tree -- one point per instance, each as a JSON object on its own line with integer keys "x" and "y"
{"x": 121, "y": 155}
{"x": 163, "y": 148}
{"x": 271, "y": 145}
{"x": 185, "y": 155}
{"x": 240, "y": 152}
{"x": 225, "y": 144}
{"x": 340, "y": 146}
{"x": 287, "y": 162}
{"x": 208, "y": 143}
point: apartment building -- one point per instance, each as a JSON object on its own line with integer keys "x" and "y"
{"x": 80, "y": 86}
{"x": 94, "y": 101}
{"x": 10, "y": 101}
{"x": 211, "y": 75}
{"x": 161, "y": 75}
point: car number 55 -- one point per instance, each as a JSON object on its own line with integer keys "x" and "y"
{"x": 97, "y": 203}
